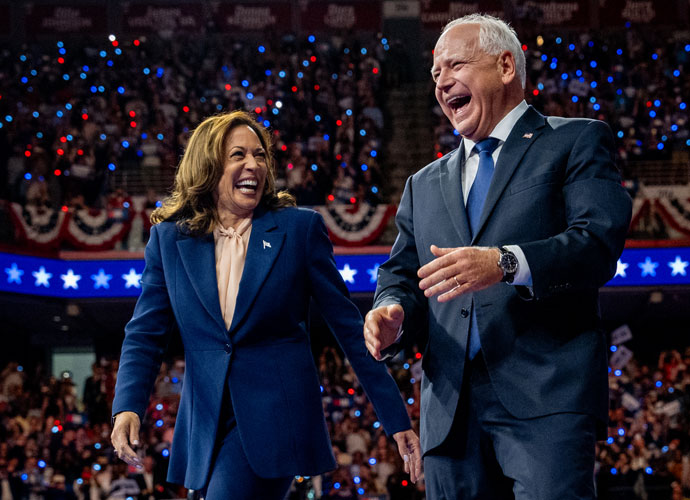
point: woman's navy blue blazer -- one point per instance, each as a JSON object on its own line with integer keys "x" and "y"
{"x": 265, "y": 356}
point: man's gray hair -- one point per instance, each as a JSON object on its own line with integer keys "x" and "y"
{"x": 495, "y": 36}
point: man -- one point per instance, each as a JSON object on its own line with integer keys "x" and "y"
{"x": 502, "y": 246}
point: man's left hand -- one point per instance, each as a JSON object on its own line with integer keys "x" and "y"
{"x": 456, "y": 271}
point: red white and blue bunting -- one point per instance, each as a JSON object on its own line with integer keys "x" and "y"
{"x": 356, "y": 225}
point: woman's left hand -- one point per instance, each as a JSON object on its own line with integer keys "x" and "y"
{"x": 411, "y": 452}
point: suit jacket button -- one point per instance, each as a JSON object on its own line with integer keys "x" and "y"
{"x": 464, "y": 313}
{"x": 228, "y": 348}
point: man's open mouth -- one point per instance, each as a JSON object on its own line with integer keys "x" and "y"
{"x": 458, "y": 102}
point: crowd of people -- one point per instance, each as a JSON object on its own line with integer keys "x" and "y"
{"x": 633, "y": 80}
{"x": 54, "y": 443}
{"x": 75, "y": 112}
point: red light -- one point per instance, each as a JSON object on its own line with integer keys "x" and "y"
{"x": 63, "y": 139}
{"x": 27, "y": 153}
{"x": 56, "y": 422}
{"x": 351, "y": 391}
{"x": 290, "y": 166}
{"x": 294, "y": 88}
{"x": 80, "y": 152}
{"x": 60, "y": 152}
{"x": 439, "y": 154}
{"x": 524, "y": 47}
{"x": 331, "y": 197}
{"x": 185, "y": 109}
{"x": 312, "y": 58}
{"x": 270, "y": 102}
{"x": 61, "y": 60}
{"x": 228, "y": 86}
{"x": 136, "y": 43}
{"x": 57, "y": 172}
{"x": 535, "y": 92}
{"x": 375, "y": 71}
{"x": 338, "y": 157}
{"x": 418, "y": 355}
{"x": 316, "y": 87}
{"x": 133, "y": 124}
{"x": 649, "y": 104}
{"x": 132, "y": 114}
{"x": 115, "y": 43}
{"x": 283, "y": 147}
{"x": 338, "y": 122}
{"x": 257, "y": 110}
{"x": 64, "y": 208}
{"x": 85, "y": 116}
{"x": 404, "y": 482}
{"x": 353, "y": 200}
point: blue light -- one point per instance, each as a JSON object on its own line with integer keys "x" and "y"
{"x": 267, "y": 72}
{"x": 25, "y": 476}
{"x": 101, "y": 89}
{"x": 305, "y": 63}
{"x": 35, "y": 114}
{"x": 657, "y": 103}
{"x": 112, "y": 167}
{"x": 682, "y": 105}
{"x": 267, "y": 123}
{"x": 412, "y": 381}
{"x": 275, "y": 111}
{"x": 592, "y": 99}
{"x": 655, "y": 56}
{"x": 159, "y": 407}
{"x": 410, "y": 401}
{"x": 621, "y": 432}
{"x": 614, "y": 471}
{"x": 674, "y": 127}
{"x": 377, "y": 424}
{"x": 159, "y": 204}
{"x": 160, "y": 137}
{"x": 144, "y": 135}
{"x": 362, "y": 132}
{"x": 664, "y": 449}
{"x": 38, "y": 134}
{"x": 687, "y": 143}
{"x": 613, "y": 347}
{"x": 321, "y": 388}
{"x": 317, "y": 118}
{"x": 553, "y": 65}
{"x": 24, "y": 79}
{"x": 364, "y": 52}
{"x": 456, "y": 133}
{"x": 121, "y": 90}
{"x": 281, "y": 74}
{"x": 93, "y": 89}
{"x": 571, "y": 46}
{"x": 564, "y": 76}
{"x": 159, "y": 423}
{"x": 65, "y": 77}
{"x": 358, "y": 413}
{"x": 660, "y": 146}
{"x": 174, "y": 380}
{"x": 125, "y": 144}
{"x": 102, "y": 53}
{"x": 559, "y": 40}
{"x": 618, "y": 373}
{"x": 250, "y": 96}
{"x": 360, "y": 491}
{"x": 41, "y": 464}
{"x": 364, "y": 167}
{"x": 619, "y": 92}
{"x": 97, "y": 446}
{"x": 27, "y": 176}
{"x": 676, "y": 73}
{"x": 96, "y": 467}
{"x": 80, "y": 481}
{"x": 334, "y": 76}
{"x": 687, "y": 48}
{"x": 652, "y": 113}
{"x": 109, "y": 63}
{"x": 146, "y": 71}
{"x": 406, "y": 366}
{"x": 68, "y": 106}
{"x": 648, "y": 470}
{"x": 574, "y": 98}
{"x": 593, "y": 85}
{"x": 85, "y": 68}
{"x": 620, "y": 134}
{"x": 590, "y": 43}
{"x": 22, "y": 58}
{"x": 34, "y": 72}
{"x": 245, "y": 83}
{"x": 82, "y": 76}
{"x": 356, "y": 480}
{"x": 596, "y": 107}
{"x": 578, "y": 72}
{"x": 62, "y": 51}
{"x": 609, "y": 440}
{"x": 261, "y": 49}
{"x": 160, "y": 72}
{"x": 664, "y": 138}
{"x": 165, "y": 452}
{"x": 118, "y": 51}
{"x": 300, "y": 74}
{"x": 610, "y": 79}
{"x": 336, "y": 486}
{"x": 374, "y": 189}
{"x": 544, "y": 57}
{"x": 311, "y": 38}
{"x": 348, "y": 112}
{"x": 619, "y": 52}
{"x": 372, "y": 461}
{"x": 314, "y": 167}
{"x": 55, "y": 429}
{"x": 671, "y": 390}
{"x": 384, "y": 41}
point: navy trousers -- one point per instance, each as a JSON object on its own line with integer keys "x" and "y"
{"x": 489, "y": 454}
{"x": 231, "y": 475}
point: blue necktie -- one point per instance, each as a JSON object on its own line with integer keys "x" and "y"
{"x": 475, "y": 203}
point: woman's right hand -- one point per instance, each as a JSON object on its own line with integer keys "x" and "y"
{"x": 125, "y": 435}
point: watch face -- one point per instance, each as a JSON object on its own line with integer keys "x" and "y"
{"x": 509, "y": 262}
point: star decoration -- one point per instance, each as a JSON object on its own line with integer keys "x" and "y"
{"x": 14, "y": 274}
{"x": 42, "y": 277}
{"x": 70, "y": 279}
{"x": 101, "y": 279}
{"x": 620, "y": 269}
{"x": 678, "y": 266}
{"x": 348, "y": 274}
{"x": 373, "y": 273}
{"x": 132, "y": 279}
{"x": 648, "y": 267}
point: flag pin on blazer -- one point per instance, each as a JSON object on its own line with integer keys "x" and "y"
{"x": 266, "y": 244}
{"x": 528, "y": 135}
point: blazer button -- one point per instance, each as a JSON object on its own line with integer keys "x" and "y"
{"x": 228, "y": 348}
{"x": 464, "y": 312}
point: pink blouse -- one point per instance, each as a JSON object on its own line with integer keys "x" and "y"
{"x": 231, "y": 252}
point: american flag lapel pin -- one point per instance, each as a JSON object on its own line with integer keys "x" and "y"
{"x": 266, "y": 244}
{"x": 528, "y": 135}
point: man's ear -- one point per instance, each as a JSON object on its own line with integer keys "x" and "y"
{"x": 506, "y": 66}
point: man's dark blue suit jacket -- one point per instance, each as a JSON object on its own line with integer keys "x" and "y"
{"x": 265, "y": 356}
{"x": 556, "y": 193}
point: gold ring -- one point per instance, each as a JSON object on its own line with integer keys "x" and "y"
{"x": 456, "y": 280}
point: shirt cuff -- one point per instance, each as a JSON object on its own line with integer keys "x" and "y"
{"x": 524, "y": 275}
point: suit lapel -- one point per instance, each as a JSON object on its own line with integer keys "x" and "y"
{"x": 265, "y": 242}
{"x": 451, "y": 190}
{"x": 523, "y": 135}
{"x": 199, "y": 261}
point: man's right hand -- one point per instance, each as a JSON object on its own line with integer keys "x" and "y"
{"x": 381, "y": 327}
{"x": 125, "y": 435}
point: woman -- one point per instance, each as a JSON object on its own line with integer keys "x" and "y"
{"x": 232, "y": 264}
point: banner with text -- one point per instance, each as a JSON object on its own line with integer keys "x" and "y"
{"x": 254, "y": 16}
{"x": 324, "y": 16}
{"x": 615, "y": 13}
{"x": 66, "y": 19}
{"x": 149, "y": 18}
{"x": 436, "y": 13}
{"x": 555, "y": 12}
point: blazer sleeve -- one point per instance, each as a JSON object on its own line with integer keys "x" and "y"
{"x": 345, "y": 321}
{"x": 146, "y": 336}
{"x": 397, "y": 278}
{"x": 598, "y": 212}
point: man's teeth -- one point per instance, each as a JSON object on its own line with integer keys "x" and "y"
{"x": 458, "y": 101}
